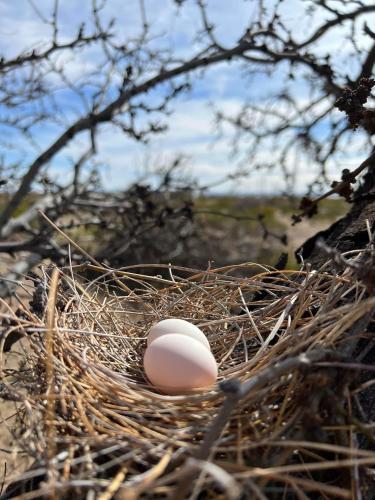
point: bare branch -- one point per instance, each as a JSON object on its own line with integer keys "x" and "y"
{"x": 36, "y": 56}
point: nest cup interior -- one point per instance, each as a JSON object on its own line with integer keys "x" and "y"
{"x": 102, "y": 333}
{"x": 108, "y": 330}
{"x": 102, "y": 395}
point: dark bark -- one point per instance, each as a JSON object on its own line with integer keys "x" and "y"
{"x": 349, "y": 232}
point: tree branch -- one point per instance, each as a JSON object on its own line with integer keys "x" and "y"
{"x": 91, "y": 120}
{"x": 34, "y": 56}
{"x": 336, "y": 22}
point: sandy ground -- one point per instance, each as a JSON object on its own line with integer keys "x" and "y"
{"x": 12, "y": 459}
{"x": 302, "y": 231}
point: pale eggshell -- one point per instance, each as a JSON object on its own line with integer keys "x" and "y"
{"x": 177, "y": 364}
{"x": 174, "y": 325}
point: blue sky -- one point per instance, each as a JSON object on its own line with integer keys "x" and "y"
{"x": 192, "y": 130}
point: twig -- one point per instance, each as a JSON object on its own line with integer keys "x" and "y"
{"x": 115, "y": 484}
{"x": 81, "y": 250}
{"x": 50, "y": 377}
{"x": 309, "y": 207}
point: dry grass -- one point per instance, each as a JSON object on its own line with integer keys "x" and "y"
{"x": 285, "y": 427}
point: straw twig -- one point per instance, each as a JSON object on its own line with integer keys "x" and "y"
{"x": 50, "y": 378}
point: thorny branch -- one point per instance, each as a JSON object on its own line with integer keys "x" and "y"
{"x": 343, "y": 188}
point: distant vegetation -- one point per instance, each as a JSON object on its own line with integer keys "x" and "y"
{"x": 239, "y": 239}
{"x": 224, "y": 230}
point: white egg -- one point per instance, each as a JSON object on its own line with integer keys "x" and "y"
{"x": 177, "y": 364}
{"x": 180, "y": 326}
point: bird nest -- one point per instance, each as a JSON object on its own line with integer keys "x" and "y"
{"x": 280, "y": 422}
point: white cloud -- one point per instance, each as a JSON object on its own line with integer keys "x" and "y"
{"x": 19, "y": 30}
